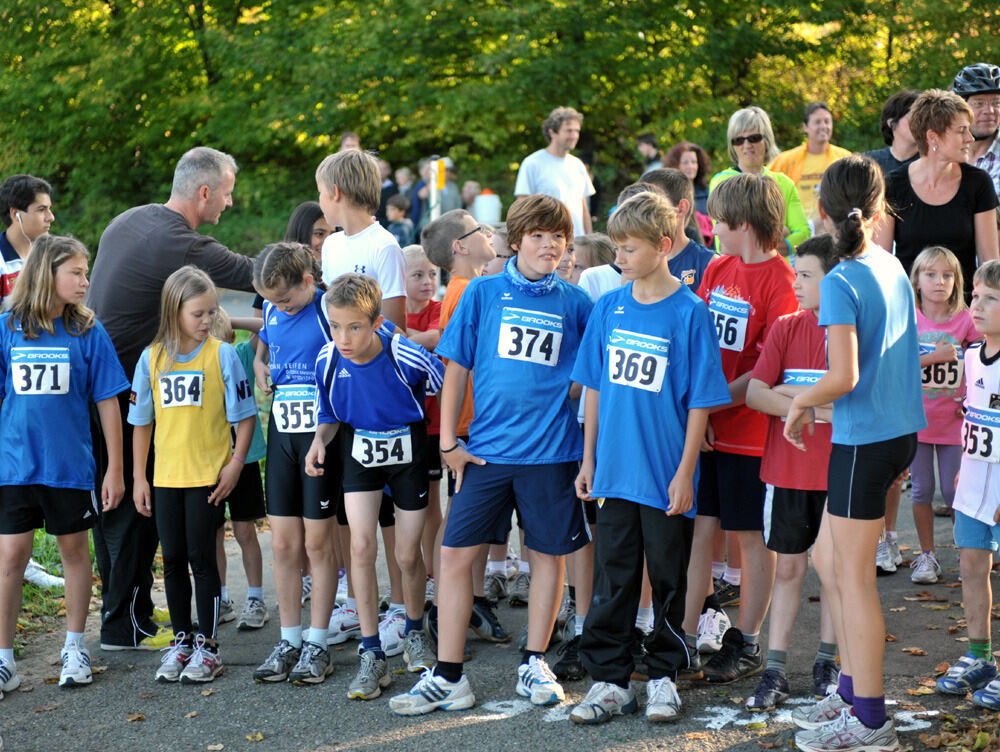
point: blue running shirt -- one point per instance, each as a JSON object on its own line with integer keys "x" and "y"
{"x": 651, "y": 363}
{"x": 522, "y": 350}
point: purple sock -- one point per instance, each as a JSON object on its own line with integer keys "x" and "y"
{"x": 870, "y": 711}
{"x": 846, "y": 688}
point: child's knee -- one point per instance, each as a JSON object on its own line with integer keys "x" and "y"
{"x": 790, "y": 568}
{"x": 363, "y": 548}
{"x": 408, "y": 557}
{"x": 286, "y": 548}
{"x": 245, "y": 533}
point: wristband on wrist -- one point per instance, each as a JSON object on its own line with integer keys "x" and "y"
{"x": 445, "y": 451}
{"x": 237, "y": 457}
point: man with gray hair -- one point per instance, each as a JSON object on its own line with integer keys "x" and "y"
{"x": 555, "y": 172}
{"x": 137, "y": 252}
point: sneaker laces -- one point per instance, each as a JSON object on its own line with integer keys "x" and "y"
{"x": 926, "y": 560}
{"x": 202, "y": 653}
{"x": 662, "y": 692}
{"x": 174, "y": 649}
{"x": 882, "y": 552}
{"x": 74, "y": 657}
{"x": 539, "y": 670}
{"x": 367, "y": 669}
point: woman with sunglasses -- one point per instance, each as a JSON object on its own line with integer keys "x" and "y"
{"x": 751, "y": 146}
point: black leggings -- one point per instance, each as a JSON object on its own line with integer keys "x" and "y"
{"x": 187, "y": 526}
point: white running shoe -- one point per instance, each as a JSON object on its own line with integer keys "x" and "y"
{"x": 9, "y": 680}
{"x": 175, "y": 659}
{"x": 825, "y": 711}
{"x": 204, "y": 664}
{"x": 604, "y": 700}
{"x": 307, "y": 588}
{"x": 884, "y": 560}
{"x": 536, "y": 681}
{"x": 662, "y": 701}
{"x": 344, "y": 625}
{"x": 392, "y": 631}
{"x": 897, "y": 555}
{"x": 75, "y": 667}
{"x": 254, "y": 615}
{"x": 926, "y": 569}
{"x": 848, "y": 734}
{"x": 432, "y": 693}
{"x": 430, "y": 593}
{"x": 35, "y": 574}
{"x": 227, "y": 612}
{"x": 711, "y": 626}
{"x": 342, "y": 590}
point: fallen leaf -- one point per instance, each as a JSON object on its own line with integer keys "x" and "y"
{"x": 961, "y": 639}
{"x": 932, "y": 627}
{"x": 135, "y": 717}
{"x": 772, "y": 744}
{"x": 192, "y": 714}
{"x": 215, "y": 747}
{"x": 920, "y": 691}
{"x": 954, "y": 584}
{"x": 98, "y": 669}
{"x": 27, "y": 688}
{"x": 256, "y": 736}
{"x": 736, "y": 700}
{"x": 928, "y": 683}
{"x": 952, "y": 630}
{"x": 890, "y": 638}
{"x": 914, "y": 708}
{"x": 982, "y": 739}
{"x": 399, "y": 671}
{"x": 696, "y": 735}
{"x": 905, "y": 548}
{"x": 914, "y": 651}
{"x": 207, "y": 692}
{"x": 52, "y": 680}
{"x": 942, "y": 667}
{"x": 898, "y": 609}
{"x": 147, "y": 695}
{"x": 45, "y": 708}
{"x": 945, "y": 607}
{"x": 756, "y": 726}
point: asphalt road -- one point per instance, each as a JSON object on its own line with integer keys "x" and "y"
{"x": 125, "y": 709}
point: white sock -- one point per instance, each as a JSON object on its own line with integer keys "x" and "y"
{"x": 732, "y": 576}
{"x": 7, "y": 656}
{"x": 718, "y": 569}
{"x": 642, "y": 618}
{"x": 523, "y": 567}
{"x": 496, "y": 566}
{"x": 317, "y": 636}
{"x": 578, "y": 624}
{"x": 294, "y": 636}
{"x": 73, "y": 638}
{"x": 224, "y": 593}
{"x": 255, "y": 592}
{"x": 890, "y": 535}
{"x": 351, "y": 604}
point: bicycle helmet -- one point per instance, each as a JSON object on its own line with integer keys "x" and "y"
{"x": 981, "y": 78}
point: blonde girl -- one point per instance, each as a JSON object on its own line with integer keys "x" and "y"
{"x": 54, "y": 359}
{"x": 945, "y": 327}
{"x": 193, "y": 386}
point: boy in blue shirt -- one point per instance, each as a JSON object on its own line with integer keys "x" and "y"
{"x": 384, "y": 442}
{"x": 651, "y": 365}
{"x": 519, "y": 330}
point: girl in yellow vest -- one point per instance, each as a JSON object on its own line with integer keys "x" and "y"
{"x": 193, "y": 386}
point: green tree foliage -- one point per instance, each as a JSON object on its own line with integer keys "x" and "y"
{"x": 102, "y": 96}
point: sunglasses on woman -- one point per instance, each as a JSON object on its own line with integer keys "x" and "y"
{"x": 753, "y": 138}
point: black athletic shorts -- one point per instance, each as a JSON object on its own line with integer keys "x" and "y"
{"x": 433, "y": 459}
{"x": 407, "y": 481}
{"x": 730, "y": 488}
{"x": 246, "y": 502}
{"x": 61, "y": 510}
{"x": 292, "y": 493}
{"x": 791, "y": 518}
{"x": 860, "y": 476}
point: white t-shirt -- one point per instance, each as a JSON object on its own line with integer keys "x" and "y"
{"x": 978, "y": 492}
{"x": 598, "y": 280}
{"x": 564, "y": 178}
{"x": 373, "y": 252}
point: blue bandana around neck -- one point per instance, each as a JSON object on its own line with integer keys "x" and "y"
{"x": 535, "y": 289}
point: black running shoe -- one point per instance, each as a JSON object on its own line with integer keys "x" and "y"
{"x": 569, "y": 667}
{"x": 485, "y": 624}
{"x": 773, "y": 688}
{"x": 732, "y": 662}
{"x": 826, "y": 677}
{"x": 727, "y": 595}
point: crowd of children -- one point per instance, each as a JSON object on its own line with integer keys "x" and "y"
{"x": 777, "y": 403}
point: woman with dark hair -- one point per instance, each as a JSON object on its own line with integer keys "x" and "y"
{"x": 308, "y": 227}
{"x": 692, "y": 160}
{"x": 939, "y": 199}
{"x": 751, "y": 147}
{"x": 873, "y": 381}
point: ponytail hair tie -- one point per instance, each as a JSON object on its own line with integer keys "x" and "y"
{"x": 855, "y": 213}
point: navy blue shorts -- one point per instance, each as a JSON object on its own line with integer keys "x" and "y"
{"x": 730, "y": 488}
{"x": 544, "y": 495}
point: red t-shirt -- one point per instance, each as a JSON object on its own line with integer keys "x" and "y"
{"x": 744, "y": 301}
{"x": 794, "y": 353}
{"x": 428, "y": 318}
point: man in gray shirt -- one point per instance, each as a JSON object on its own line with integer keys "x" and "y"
{"x": 137, "y": 252}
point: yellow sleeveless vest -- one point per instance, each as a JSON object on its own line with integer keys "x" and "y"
{"x": 191, "y": 440}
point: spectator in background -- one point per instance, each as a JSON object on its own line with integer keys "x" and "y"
{"x": 404, "y": 182}
{"x": 350, "y": 140}
{"x": 399, "y": 224}
{"x": 979, "y": 85}
{"x": 26, "y": 213}
{"x": 646, "y": 145}
{"x": 806, "y": 164}
{"x": 470, "y": 189}
{"x": 900, "y": 148}
{"x": 388, "y": 189}
{"x": 692, "y": 160}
